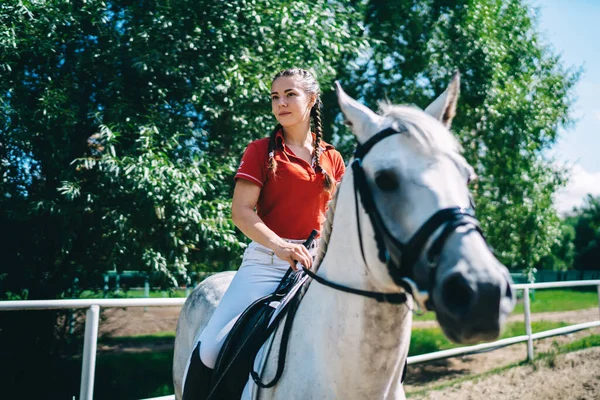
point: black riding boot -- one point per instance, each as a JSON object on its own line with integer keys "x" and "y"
{"x": 197, "y": 381}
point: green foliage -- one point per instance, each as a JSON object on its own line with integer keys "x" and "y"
{"x": 515, "y": 94}
{"x": 562, "y": 255}
{"x": 123, "y": 124}
{"x": 585, "y": 221}
{"x": 156, "y": 101}
{"x": 139, "y": 340}
{"x": 179, "y": 215}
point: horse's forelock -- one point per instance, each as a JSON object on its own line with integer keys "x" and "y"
{"x": 431, "y": 134}
{"x": 424, "y": 128}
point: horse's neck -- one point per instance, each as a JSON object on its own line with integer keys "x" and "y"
{"x": 368, "y": 340}
{"x": 358, "y": 345}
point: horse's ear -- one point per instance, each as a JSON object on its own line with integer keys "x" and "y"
{"x": 363, "y": 122}
{"x": 444, "y": 107}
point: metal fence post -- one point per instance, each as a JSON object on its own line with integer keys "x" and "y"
{"x": 106, "y": 288}
{"x": 90, "y": 341}
{"x": 146, "y": 286}
{"x": 528, "y": 324}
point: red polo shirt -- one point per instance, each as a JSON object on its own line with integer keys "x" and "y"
{"x": 292, "y": 202}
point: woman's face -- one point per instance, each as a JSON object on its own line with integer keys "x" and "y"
{"x": 290, "y": 104}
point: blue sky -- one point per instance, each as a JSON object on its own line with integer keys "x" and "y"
{"x": 572, "y": 28}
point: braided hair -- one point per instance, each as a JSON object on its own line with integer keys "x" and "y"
{"x": 310, "y": 85}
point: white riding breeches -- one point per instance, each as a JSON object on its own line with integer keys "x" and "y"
{"x": 259, "y": 274}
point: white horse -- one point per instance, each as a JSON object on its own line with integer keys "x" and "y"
{"x": 400, "y": 223}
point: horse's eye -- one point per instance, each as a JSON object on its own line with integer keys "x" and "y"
{"x": 386, "y": 180}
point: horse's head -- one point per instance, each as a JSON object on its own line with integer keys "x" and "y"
{"x": 418, "y": 228}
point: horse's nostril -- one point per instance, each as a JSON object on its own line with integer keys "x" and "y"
{"x": 458, "y": 294}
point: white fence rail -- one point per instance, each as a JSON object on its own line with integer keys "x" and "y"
{"x": 529, "y": 337}
{"x": 90, "y": 341}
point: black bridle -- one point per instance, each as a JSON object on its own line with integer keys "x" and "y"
{"x": 399, "y": 257}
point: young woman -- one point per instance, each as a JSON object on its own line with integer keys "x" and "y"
{"x": 289, "y": 179}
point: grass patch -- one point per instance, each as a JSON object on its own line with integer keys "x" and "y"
{"x": 138, "y": 339}
{"x": 428, "y": 316}
{"x": 518, "y": 328}
{"x": 428, "y": 340}
{"x": 118, "y": 376}
{"x": 133, "y": 375}
{"x": 545, "y": 300}
{"x": 580, "y": 344}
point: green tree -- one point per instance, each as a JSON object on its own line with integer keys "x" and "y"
{"x": 124, "y": 122}
{"x": 562, "y": 254}
{"x": 515, "y": 94}
{"x": 121, "y": 127}
{"x": 585, "y": 221}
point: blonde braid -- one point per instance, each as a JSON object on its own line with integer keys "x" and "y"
{"x": 272, "y": 147}
{"x": 316, "y": 115}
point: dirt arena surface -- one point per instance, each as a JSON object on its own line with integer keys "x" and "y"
{"x": 134, "y": 321}
{"x": 569, "y": 376}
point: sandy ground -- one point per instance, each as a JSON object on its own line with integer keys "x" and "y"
{"x": 571, "y": 376}
{"x": 138, "y": 320}
{"x": 517, "y": 383}
{"x": 568, "y": 376}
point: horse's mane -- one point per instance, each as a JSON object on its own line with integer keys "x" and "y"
{"x": 326, "y": 231}
{"x": 426, "y": 130}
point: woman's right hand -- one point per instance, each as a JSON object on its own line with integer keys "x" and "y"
{"x": 292, "y": 252}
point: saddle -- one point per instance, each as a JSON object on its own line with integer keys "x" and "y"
{"x": 236, "y": 359}
{"x": 252, "y": 329}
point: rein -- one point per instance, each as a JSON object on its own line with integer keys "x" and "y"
{"x": 393, "y": 298}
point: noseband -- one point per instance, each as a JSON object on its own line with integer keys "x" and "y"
{"x": 399, "y": 257}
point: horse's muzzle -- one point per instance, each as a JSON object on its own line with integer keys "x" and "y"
{"x": 473, "y": 307}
